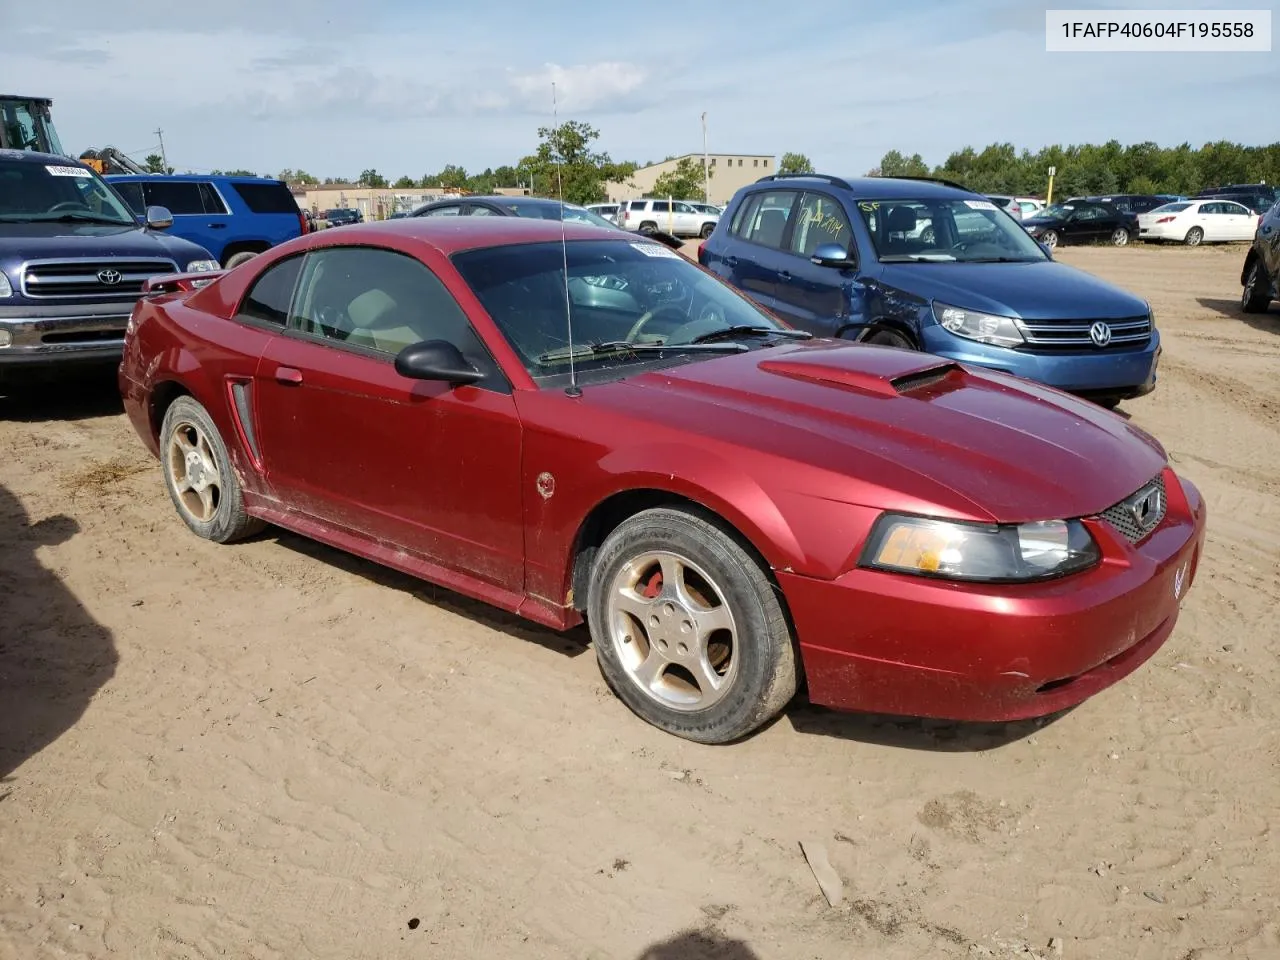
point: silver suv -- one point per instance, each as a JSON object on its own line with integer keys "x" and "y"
{"x": 670, "y": 216}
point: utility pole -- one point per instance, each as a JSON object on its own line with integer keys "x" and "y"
{"x": 706, "y": 166}
{"x": 164, "y": 159}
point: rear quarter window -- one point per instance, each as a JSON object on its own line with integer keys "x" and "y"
{"x": 267, "y": 197}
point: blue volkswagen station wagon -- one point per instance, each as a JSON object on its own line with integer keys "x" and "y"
{"x": 927, "y": 265}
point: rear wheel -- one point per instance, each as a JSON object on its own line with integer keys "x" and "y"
{"x": 1257, "y": 290}
{"x": 688, "y": 628}
{"x": 648, "y": 227}
{"x": 1193, "y": 237}
{"x": 244, "y": 256}
{"x": 1120, "y": 238}
{"x": 199, "y": 476}
{"x": 889, "y": 338}
{"x": 707, "y": 230}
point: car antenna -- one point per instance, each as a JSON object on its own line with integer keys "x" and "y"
{"x": 573, "y": 389}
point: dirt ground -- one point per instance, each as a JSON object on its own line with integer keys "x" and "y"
{"x": 274, "y": 750}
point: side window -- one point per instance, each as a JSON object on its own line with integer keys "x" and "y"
{"x": 268, "y": 299}
{"x": 383, "y": 301}
{"x": 745, "y": 214}
{"x": 450, "y": 211}
{"x": 1090, "y": 212}
{"x": 661, "y": 206}
{"x": 769, "y": 223}
{"x": 684, "y": 208}
{"x": 132, "y": 195}
{"x": 210, "y": 199}
{"x": 478, "y": 211}
{"x": 179, "y": 197}
{"x": 819, "y": 219}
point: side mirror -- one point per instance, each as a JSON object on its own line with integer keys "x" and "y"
{"x": 436, "y": 360}
{"x": 1048, "y": 250}
{"x": 831, "y": 255}
{"x": 158, "y": 218}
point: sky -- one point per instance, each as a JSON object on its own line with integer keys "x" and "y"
{"x": 407, "y": 87}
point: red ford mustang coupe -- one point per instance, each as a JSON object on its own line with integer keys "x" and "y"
{"x": 571, "y": 424}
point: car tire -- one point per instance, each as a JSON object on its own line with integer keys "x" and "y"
{"x": 244, "y": 256}
{"x": 1120, "y": 238}
{"x": 718, "y": 686}
{"x": 1049, "y": 238}
{"x": 1194, "y": 236}
{"x": 889, "y": 338}
{"x": 707, "y": 230}
{"x": 1256, "y": 297}
{"x": 199, "y": 476}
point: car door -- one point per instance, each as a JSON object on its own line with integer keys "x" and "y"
{"x": 756, "y": 257}
{"x": 687, "y": 220}
{"x": 822, "y": 300}
{"x": 1239, "y": 223}
{"x": 199, "y": 215}
{"x": 417, "y": 466}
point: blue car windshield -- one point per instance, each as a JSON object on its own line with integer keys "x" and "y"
{"x": 32, "y": 191}
{"x": 946, "y": 230}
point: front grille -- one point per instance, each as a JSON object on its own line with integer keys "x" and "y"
{"x": 1074, "y": 335}
{"x": 104, "y": 279}
{"x": 1138, "y": 514}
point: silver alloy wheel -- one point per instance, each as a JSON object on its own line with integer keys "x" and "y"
{"x": 193, "y": 471}
{"x": 1050, "y": 239}
{"x": 672, "y": 630}
{"x": 1250, "y": 284}
{"x": 1193, "y": 237}
{"x": 1120, "y": 237}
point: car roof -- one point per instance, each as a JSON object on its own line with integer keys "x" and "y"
{"x": 453, "y": 234}
{"x": 33, "y": 156}
{"x": 871, "y": 188}
{"x": 190, "y": 177}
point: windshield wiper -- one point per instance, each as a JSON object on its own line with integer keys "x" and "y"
{"x": 609, "y": 347}
{"x": 69, "y": 218}
{"x": 917, "y": 258}
{"x": 1001, "y": 260}
{"x": 749, "y": 330}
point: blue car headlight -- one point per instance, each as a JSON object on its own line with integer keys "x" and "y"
{"x": 982, "y": 327}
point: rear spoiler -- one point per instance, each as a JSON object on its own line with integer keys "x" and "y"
{"x": 178, "y": 282}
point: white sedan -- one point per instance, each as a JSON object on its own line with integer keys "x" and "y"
{"x": 1198, "y": 221}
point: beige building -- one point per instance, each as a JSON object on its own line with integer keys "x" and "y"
{"x": 375, "y": 203}
{"x": 729, "y": 173}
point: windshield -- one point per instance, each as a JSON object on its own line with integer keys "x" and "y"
{"x": 31, "y": 192}
{"x": 620, "y": 292}
{"x": 966, "y": 231}
{"x": 551, "y": 211}
{"x": 1171, "y": 208}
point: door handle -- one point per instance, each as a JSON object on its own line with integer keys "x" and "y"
{"x": 731, "y": 261}
{"x": 217, "y": 226}
{"x": 784, "y": 275}
{"x": 288, "y": 375}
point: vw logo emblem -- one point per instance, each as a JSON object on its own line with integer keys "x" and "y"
{"x": 1100, "y": 334}
{"x": 109, "y": 277}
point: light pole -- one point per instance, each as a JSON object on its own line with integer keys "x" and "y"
{"x": 706, "y": 166}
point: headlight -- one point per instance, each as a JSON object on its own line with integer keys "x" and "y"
{"x": 992, "y": 553}
{"x": 982, "y": 327}
{"x": 203, "y": 266}
{"x": 5, "y": 289}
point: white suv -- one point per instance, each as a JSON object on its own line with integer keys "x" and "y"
{"x": 677, "y": 217}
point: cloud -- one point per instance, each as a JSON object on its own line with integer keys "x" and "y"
{"x": 589, "y": 87}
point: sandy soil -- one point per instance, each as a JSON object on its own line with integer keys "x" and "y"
{"x": 274, "y": 750}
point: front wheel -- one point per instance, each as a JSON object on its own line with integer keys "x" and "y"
{"x": 1050, "y": 239}
{"x": 889, "y": 338}
{"x": 199, "y": 476}
{"x": 1120, "y": 238}
{"x": 688, "y": 629}
{"x": 1257, "y": 290}
{"x": 1193, "y": 237}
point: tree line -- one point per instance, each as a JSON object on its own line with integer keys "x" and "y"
{"x": 1092, "y": 169}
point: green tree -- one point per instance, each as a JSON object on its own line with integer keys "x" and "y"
{"x": 685, "y": 182}
{"x": 795, "y": 163}
{"x": 372, "y": 178}
{"x": 154, "y": 163}
{"x": 565, "y": 164}
{"x": 405, "y": 183}
{"x": 505, "y": 176}
{"x": 452, "y": 177}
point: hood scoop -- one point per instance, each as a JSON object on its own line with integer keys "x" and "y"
{"x": 893, "y": 380}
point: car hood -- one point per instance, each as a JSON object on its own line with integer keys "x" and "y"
{"x": 45, "y": 241}
{"x": 1040, "y": 290}
{"x": 898, "y": 430}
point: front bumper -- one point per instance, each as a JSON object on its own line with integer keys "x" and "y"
{"x": 897, "y": 644}
{"x": 1120, "y": 373}
{"x": 51, "y": 335}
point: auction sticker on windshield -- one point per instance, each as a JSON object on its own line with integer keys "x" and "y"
{"x": 68, "y": 171}
{"x": 655, "y": 250}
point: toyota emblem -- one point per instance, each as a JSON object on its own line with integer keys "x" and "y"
{"x": 109, "y": 277}
{"x": 1100, "y": 334}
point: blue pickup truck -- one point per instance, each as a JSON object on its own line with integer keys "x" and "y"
{"x": 72, "y": 263}
{"x": 234, "y": 218}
